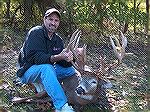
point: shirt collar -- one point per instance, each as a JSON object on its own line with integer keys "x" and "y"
{"x": 46, "y": 32}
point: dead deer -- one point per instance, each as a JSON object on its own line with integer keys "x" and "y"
{"x": 88, "y": 85}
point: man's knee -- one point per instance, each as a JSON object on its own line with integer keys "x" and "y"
{"x": 45, "y": 67}
{"x": 47, "y": 71}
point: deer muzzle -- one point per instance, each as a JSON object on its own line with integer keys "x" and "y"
{"x": 80, "y": 90}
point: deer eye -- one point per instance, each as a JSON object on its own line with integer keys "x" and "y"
{"x": 94, "y": 81}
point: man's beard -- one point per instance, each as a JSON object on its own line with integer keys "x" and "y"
{"x": 52, "y": 29}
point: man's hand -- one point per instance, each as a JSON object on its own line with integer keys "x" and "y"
{"x": 66, "y": 55}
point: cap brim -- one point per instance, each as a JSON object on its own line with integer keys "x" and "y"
{"x": 50, "y": 11}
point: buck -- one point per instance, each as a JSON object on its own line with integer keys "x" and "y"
{"x": 88, "y": 85}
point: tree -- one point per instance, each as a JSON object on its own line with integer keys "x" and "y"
{"x": 147, "y": 13}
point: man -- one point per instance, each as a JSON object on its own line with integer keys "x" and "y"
{"x": 43, "y": 59}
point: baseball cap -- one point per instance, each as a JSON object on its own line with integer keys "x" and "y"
{"x": 52, "y": 10}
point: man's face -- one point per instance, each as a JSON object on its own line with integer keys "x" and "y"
{"x": 51, "y": 22}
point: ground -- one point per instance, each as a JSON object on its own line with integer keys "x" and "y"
{"x": 130, "y": 83}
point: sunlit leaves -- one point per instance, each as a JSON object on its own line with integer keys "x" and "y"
{"x": 89, "y": 12}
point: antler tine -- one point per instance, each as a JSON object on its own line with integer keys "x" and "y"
{"x": 75, "y": 44}
{"x": 73, "y": 35}
{"x": 72, "y": 40}
{"x": 117, "y": 50}
{"x": 77, "y": 38}
{"x": 117, "y": 42}
{"x": 76, "y": 41}
{"x": 84, "y": 52}
{"x": 113, "y": 45}
{"x": 124, "y": 40}
{"x": 81, "y": 57}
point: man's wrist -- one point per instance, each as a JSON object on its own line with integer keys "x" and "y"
{"x": 55, "y": 58}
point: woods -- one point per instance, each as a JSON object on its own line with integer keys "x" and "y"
{"x": 95, "y": 15}
{"x": 98, "y": 20}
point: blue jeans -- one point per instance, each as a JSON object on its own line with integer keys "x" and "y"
{"x": 48, "y": 75}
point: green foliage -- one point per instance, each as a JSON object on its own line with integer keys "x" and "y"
{"x": 79, "y": 13}
{"x": 93, "y": 12}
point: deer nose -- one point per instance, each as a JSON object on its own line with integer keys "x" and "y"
{"x": 80, "y": 90}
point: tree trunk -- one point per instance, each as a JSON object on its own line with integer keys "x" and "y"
{"x": 148, "y": 37}
{"x": 134, "y": 16}
{"x": 8, "y": 9}
{"x": 100, "y": 20}
{"x": 27, "y": 12}
{"x": 147, "y": 13}
{"x": 45, "y": 4}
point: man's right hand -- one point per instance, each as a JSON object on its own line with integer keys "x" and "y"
{"x": 66, "y": 55}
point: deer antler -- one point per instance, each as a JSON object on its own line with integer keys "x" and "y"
{"x": 78, "y": 53}
{"x": 74, "y": 41}
{"x": 119, "y": 50}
